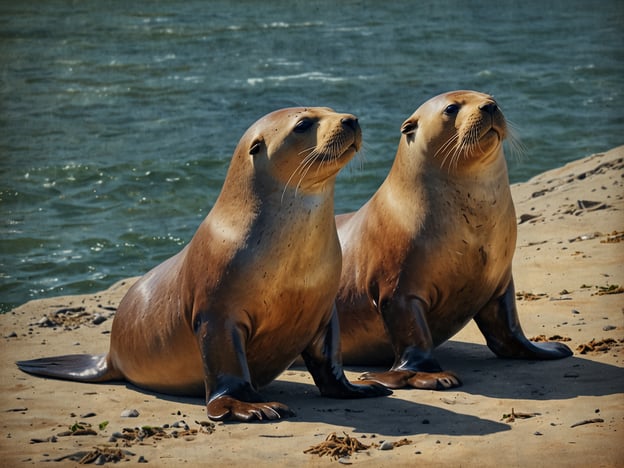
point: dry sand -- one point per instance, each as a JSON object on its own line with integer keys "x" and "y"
{"x": 568, "y": 269}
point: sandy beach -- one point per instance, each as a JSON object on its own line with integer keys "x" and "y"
{"x": 569, "y": 277}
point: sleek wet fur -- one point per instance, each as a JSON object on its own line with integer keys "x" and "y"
{"x": 253, "y": 289}
{"x": 432, "y": 249}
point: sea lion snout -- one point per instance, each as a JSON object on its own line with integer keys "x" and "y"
{"x": 489, "y": 107}
{"x": 351, "y": 122}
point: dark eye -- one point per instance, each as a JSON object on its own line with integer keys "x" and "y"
{"x": 408, "y": 127}
{"x": 452, "y": 109}
{"x": 303, "y": 125}
{"x": 255, "y": 147}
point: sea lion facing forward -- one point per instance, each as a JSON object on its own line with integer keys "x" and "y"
{"x": 253, "y": 289}
{"x": 433, "y": 248}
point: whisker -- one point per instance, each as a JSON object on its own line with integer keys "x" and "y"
{"x": 310, "y": 156}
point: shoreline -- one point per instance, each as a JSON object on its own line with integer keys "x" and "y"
{"x": 569, "y": 276}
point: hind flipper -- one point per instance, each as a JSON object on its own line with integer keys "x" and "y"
{"x": 500, "y": 325}
{"x": 78, "y": 367}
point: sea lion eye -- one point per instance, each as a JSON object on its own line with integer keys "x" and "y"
{"x": 409, "y": 127}
{"x": 255, "y": 147}
{"x": 452, "y": 109}
{"x": 303, "y": 125}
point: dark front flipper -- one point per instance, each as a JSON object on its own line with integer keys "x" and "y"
{"x": 78, "y": 367}
{"x": 229, "y": 392}
{"x": 323, "y": 360}
{"x": 414, "y": 366}
{"x": 242, "y": 403}
{"x": 499, "y": 323}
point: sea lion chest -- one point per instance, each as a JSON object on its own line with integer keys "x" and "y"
{"x": 280, "y": 285}
{"x": 463, "y": 252}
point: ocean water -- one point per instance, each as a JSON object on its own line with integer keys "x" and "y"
{"x": 118, "y": 119}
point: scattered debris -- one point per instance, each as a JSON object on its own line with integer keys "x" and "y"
{"x": 78, "y": 429}
{"x": 511, "y": 417}
{"x": 583, "y": 206}
{"x": 613, "y": 238}
{"x": 528, "y": 296}
{"x": 543, "y": 338}
{"x": 337, "y": 447}
{"x": 587, "y": 421}
{"x": 584, "y": 237}
{"x": 73, "y": 317}
{"x": 528, "y": 217}
{"x": 597, "y": 346}
{"x": 611, "y": 289}
{"x": 99, "y": 456}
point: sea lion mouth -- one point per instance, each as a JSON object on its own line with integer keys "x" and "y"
{"x": 492, "y": 130}
{"x": 344, "y": 146}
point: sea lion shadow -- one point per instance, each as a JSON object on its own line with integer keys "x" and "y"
{"x": 385, "y": 416}
{"x": 482, "y": 373}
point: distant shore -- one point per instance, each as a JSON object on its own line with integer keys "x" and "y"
{"x": 569, "y": 276}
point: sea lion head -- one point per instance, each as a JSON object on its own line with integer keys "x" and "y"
{"x": 457, "y": 129}
{"x": 301, "y": 147}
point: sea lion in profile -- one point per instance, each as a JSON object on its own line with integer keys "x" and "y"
{"x": 433, "y": 249}
{"x": 253, "y": 289}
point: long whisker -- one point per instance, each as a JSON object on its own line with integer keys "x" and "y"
{"x": 516, "y": 147}
{"x": 310, "y": 155}
{"x": 449, "y": 148}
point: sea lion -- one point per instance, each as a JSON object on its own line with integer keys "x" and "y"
{"x": 433, "y": 249}
{"x": 253, "y": 289}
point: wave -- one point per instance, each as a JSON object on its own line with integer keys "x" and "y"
{"x": 310, "y": 76}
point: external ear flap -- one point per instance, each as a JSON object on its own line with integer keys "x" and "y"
{"x": 409, "y": 127}
{"x": 255, "y": 147}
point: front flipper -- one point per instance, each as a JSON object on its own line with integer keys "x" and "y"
{"x": 323, "y": 360}
{"x": 229, "y": 392}
{"x": 241, "y": 402}
{"x": 414, "y": 365}
{"x": 499, "y": 323}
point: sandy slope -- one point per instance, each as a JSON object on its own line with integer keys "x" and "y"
{"x": 569, "y": 253}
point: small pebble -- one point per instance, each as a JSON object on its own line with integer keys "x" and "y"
{"x": 537, "y": 433}
{"x": 608, "y": 328}
{"x": 345, "y": 460}
{"x": 129, "y": 413}
{"x": 99, "y": 318}
{"x": 141, "y": 459}
{"x": 46, "y": 322}
{"x": 88, "y": 415}
{"x": 386, "y": 445}
{"x": 101, "y": 460}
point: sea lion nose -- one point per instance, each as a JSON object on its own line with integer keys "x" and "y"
{"x": 351, "y": 122}
{"x": 490, "y": 107}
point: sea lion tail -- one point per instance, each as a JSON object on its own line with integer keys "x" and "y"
{"x": 78, "y": 367}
